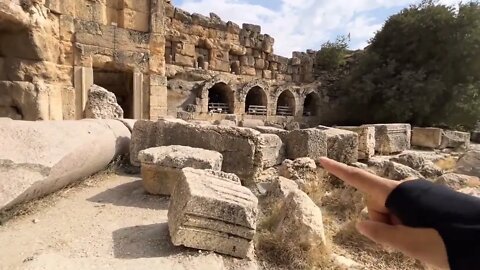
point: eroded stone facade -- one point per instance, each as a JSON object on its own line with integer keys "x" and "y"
{"x": 157, "y": 59}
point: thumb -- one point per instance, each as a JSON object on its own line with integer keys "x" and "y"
{"x": 423, "y": 244}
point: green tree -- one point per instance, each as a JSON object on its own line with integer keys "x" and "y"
{"x": 422, "y": 67}
{"x": 332, "y": 54}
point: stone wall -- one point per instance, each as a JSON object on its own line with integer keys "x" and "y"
{"x": 58, "y": 46}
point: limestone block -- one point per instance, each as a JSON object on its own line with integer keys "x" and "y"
{"x": 135, "y": 20}
{"x": 397, "y": 171}
{"x": 220, "y": 65}
{"x": 310, "y": 143}
{"x": 177, "y": 156}
{"x": 296, "y": 61}
{"x": 267, "y": 74}
{"x": 267, "y": 44}
{"x": 282, "y": 133}
{"x": 249, "y": 71}
{"x": 281, "y": 187}
{"x": 61, "y": 7}
{"x": 392, "y": 138}
{"x": 342, "y": 145}
{"x": 301, "y": 221}
{"x": 213, "y": 213}
{"x": 188, "y": 49}
{"x": 41, "y": 157}
{"x": 102, "y": 104}
{"x": 469, "y": 164}
{"x": 259, "y": 63}
{"x": 247, "y": 60}
{"x": 458, "y": 181}
{"x": 427, "y": 137}
{"x": 182, "y": 60}
{"x": 302, "y": 170}
{"x": 161, "y": 166}
{"x": 271, "y": 150}
{"x": 455, "y": 139}
{"x": 233, "y": 28}
{"x": 225, "y": 122}
{"x": 366, "y": 141}
{"x": 252, "y": 123}
{"x": 237, "y": 145}
{"x": 137, "y": 5}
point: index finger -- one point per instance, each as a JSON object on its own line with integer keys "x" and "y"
{"x": 377, "y": 187}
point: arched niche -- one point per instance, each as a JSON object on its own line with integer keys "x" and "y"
{"x": 286, "y": 104}
{"x": 220, "y": 98}
{"x": 256, "y": 101}
{"x": 311, "y": 104}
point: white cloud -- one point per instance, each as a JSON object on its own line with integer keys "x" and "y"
{"x": 298, "y": 25}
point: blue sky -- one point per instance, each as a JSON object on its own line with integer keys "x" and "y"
{"x": 298, "y": 25}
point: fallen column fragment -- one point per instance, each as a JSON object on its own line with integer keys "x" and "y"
{"x": 210, "y": 211}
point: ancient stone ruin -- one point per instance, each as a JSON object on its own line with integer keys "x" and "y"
{"x": 184, "y": 142}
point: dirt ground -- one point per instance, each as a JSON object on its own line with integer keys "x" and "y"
{"x": 108, "y": 222}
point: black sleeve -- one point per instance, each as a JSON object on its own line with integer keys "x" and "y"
{"x": 456, "y": 217}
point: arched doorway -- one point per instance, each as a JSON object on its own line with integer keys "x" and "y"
{"x": 220, "y": 99}
{"x": 286, "y": 104}
{"x": 256, "y": 101}
{"x": 311, "y": 105}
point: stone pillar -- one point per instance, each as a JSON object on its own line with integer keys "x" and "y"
{"x": 83, "y": 80}
{"x": 137, "y": 95}
{"x": 158, "y": 96}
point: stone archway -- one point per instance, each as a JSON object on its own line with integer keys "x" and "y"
{"x": 256, "y": 101}
{"x": 220, "y": 98}
{"x": 311, "y": 104}
{"x": 286, "y": 104}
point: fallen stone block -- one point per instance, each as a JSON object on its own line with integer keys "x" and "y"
{"x": 469, "y": 164}
{"x": 419, "y": 163}
{"x": 310, "y": 143}
{"x": 300, "y": 221}
{"x": 271, "y": 150}
{"x": 281, "y": 187}
{"x": 38, "y": 158}
{"x": 397, "y": 171}
{"x": 102, "y": 104}
{"x": 162, "y": 166}
{"x": 211, "y": 212}
{"x": 366, "y": 140}
{"x": 251, "y": 123}
{"x": 282, "y": 133}
{"x": 392, "y": 138}
{"x": 342, "y": 145}
{"x": 427, "y": 137}
{"x": 237, "y": 145}
{"x": 455, "y": 139}
{"x": 458, "y": 181}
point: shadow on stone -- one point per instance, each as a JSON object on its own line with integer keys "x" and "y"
{"x": 145, "y": 241}
{"x": 131, "y": 194}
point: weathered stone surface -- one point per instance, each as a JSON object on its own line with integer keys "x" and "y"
{"x": 419, "y": 163}
{"x": 281, "y": 187}
{"x": 471, "y": 191}
{"x": 469, "y": 164}
{"x": 300, "y": 221}
{"x": 366, "y": 140}
{"x": 251, "y": 123}
{"x": 392, "y": 138}
{"x": 212, "y": 213}
{"x": 427, "y": 137}
{"x": 302, "y": 170}
{"x": 342, "y": 145}
{"x": 102, "y": 104}
{"x": 227, "y": 123}
{"x": 282, "y": 133}
{"x": 397, "y": 171}
{"x": 38, "y": 158}
{"x": 458, "y": 181}
{"x": 177, "y": 156}
{"x": 455, "y": 139}
{"x": 310, "y": 143}
{"x": 271, "y": 150}
{"x": 237, "y": 145}
{"x": 161, "y": 166}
